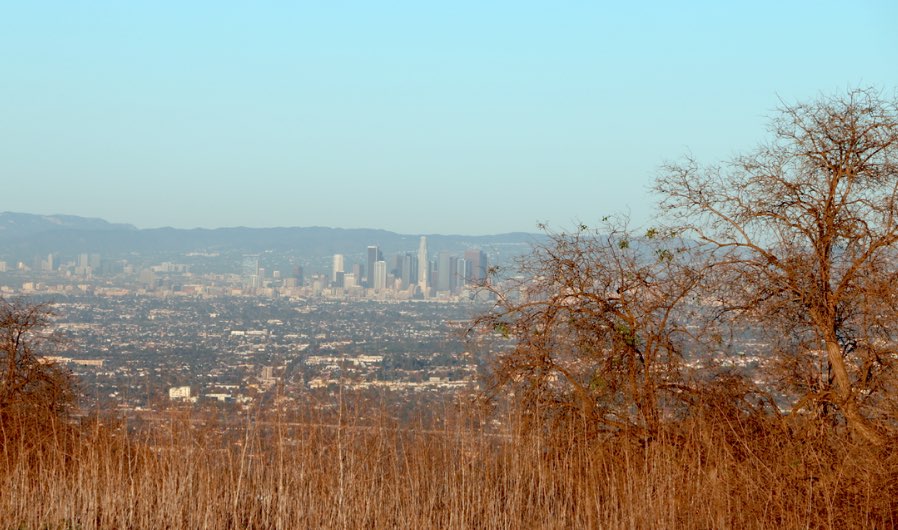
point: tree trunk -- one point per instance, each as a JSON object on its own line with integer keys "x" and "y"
{"x": 846, "y": 400}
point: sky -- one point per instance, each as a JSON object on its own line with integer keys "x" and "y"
{"x": 417, "y": 117}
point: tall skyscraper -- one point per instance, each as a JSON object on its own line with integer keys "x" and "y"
{"x": 447, "y": 272}
{"x": 380, "y": 275}
{"x": 476, "y": 265}
{"x": 461, "y": 272}
{"x": 409, "y": 270}
{"x": 337, "y": 266}
{"x": 423, "y": 266}
{"x": 374, "y": 255}
{"x": 441, "y": 272}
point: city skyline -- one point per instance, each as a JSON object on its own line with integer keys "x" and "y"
{"x": 415, "y": 273}
{"x": 355, "y": 272}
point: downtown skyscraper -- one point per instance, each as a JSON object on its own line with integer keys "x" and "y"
{"x": 380, "y": 275}
{"x": 423, "y": 266}
{"x": 337, "y": 266}
{"x": 476, "y": 265}
{"x": 374, "y": 255}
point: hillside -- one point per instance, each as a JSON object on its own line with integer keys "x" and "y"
{"x": 26, "y": 235}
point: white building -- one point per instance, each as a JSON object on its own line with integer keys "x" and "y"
{"x": 181, "y": 393}
{"x": 423, "y": 265}
{"x": 380, "y": 275}
{"x": 337, "y": 266}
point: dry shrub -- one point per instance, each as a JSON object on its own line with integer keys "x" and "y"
{"x": 722, "y": 466}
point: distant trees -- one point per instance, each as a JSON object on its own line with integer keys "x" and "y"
{"x": 796, "y": 239}
{"x": 27, "y": 382}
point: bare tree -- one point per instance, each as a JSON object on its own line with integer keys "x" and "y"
{"x": 26, "y": 378}
{"x": 804, "y": 229}
{"x": 599, "y": 322}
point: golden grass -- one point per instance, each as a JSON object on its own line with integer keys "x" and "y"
{"x": 340, "y": 472}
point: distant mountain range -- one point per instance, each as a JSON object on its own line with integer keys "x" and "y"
{"x": 21, "y": 225}
{"x": 25, "y": 235}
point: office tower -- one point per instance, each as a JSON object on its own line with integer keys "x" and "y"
{"x": 423, "y": 266}
{"x": 476, "y": 265}
{"x": 395, "y": 266}
{"x": 339, "y": 279}
{"x": 349, "y": 280}
{"x": 380, "y": 275}
{"x": 358, "y": 270}
{"x": 298, "y": 274}
{"x": 337, "y": 266}
{"x": 409, "y": 274}
{"x": 446, "y": 271}
{"x": 460, "y": 273}
{"x": 453, "y": 274}
{"x": 374, "y": 255}
{"x": 432, "y": 274}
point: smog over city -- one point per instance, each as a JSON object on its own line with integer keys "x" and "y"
{"x": 473, "y": 265}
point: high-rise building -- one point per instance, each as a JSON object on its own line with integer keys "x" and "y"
{"x": 374, "y": 255}
{"x": 476, "y": 265}
{"x": 380, "y": 275}
{"x": 409, "y": 273}
{"x": 447, "y": 272}
{"x": 394, "y": 266}
{"x": 298, "y": 274}
{"x": 461, "y": 272}
{"x": 337, "y": 266}
{"x": 423, "y": 266}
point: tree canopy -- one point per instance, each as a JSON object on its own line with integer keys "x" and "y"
{"x": 795, "y": 239}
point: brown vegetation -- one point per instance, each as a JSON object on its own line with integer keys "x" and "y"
{"x": 724, "y": 467}
{"x": 803, "y": 235}
{"x": 601, "y": 417}
{"x": 601, "y": 320}
{"x": 29, "y": 385}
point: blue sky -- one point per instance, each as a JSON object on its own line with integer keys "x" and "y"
{"x": 417, "y": 117}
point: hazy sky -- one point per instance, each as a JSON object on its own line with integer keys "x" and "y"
{"x": 418, "y": 117}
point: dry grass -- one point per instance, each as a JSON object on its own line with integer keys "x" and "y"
{"x": 708, "y": 471}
